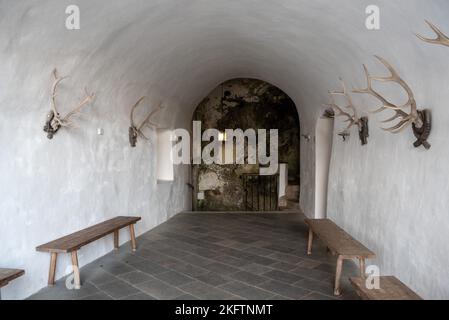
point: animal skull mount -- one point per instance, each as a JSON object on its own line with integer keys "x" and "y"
{"x": 419, "y": 119}
{"x": 353, "y": 119}
{"x": 136, "y": 130}
{"x": 54, "y": 120}
{"x": 441, "y": 38}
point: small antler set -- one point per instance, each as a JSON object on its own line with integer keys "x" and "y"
{"x": 136, "y": 130}
{"x": 54, "y": 120}
{"x": 419, "y": 119}
{"x": 353, "y": 120}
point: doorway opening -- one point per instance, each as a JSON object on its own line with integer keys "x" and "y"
{"x": 249, "y": 104}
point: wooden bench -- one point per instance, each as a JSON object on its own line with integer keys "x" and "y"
{"x": 390, "y": 288}
{"x": 73, "y": 242}
{"x": 7, "y": 275}
{"x": 339, "y": 243}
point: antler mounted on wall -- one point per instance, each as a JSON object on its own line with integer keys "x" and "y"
{"x": 136, "y": 130}
{"x": 440, "y": 39}
{"x": 54, "y": 120}
{"x": 419, "y": 119}
{"x": 353, "y": 120}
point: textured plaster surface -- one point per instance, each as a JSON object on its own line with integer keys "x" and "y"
{"x": 388, "y": 195}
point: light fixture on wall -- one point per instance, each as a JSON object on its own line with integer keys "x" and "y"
{"x": 221, "y": 136}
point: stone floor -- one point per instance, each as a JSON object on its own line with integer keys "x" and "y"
{"x": 213, "y": 256}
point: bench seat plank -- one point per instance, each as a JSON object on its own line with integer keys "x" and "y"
{"x": 337, "y": 240}
{"x": 391, "y": 288}
{"x": 78, "y": 239}
{"x": 7, "y": 275}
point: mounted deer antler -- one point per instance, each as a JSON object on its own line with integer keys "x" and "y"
{"x": 361, "y": 123}
{"x": 420, "y": 120}
{"x": 54, "y": 120}
{"x": 135, "y": 130}
{"x": 440, "y": 39}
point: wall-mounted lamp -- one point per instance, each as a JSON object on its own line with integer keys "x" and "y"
{"x": 222, "y": 136}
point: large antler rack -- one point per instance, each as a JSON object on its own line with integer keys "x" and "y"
{"x": 420, "y": 120}
{"x": 54, "y": 120}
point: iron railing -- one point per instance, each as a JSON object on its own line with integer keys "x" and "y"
{"x": 261, "y": 192}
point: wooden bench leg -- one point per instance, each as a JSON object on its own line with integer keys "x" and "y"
{"x": 133, "y": 237}
{"x": 309, "y": 245}
{"x": 337, "y": 290}
{"x": 52, "y": 272}
{"x": 76, "y": 270}
{"x": 362, "y": 267}
{"x": 116, "y": 239}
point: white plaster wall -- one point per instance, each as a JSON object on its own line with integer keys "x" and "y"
{"x": 177, "y": 51}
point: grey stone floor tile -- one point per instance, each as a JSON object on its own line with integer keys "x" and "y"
{"x": 317, "y": 296}
{"x": 284, "y": 257}
{"x": 126, "y": 256}
{"x": 262, "y": 260}
{"x": 283, "y": 266}
{"x": 248, "y": 277}
{"x": 174, "y": 278}
{"x": 117, "y": 267}
{"x": 283, "y": 289}
{"x": 306, "y": 263}
{"x": 135, "y": 277}
{"x": 186, "y": 297}
{"x": 246, "y": 291}
{"x": 278, "y": 297}
{"x": 206, "y": 292}
{"x": 221, "y": 268}
{"x": 312, "y": 274}
{"x": 188, "y": 269}
{"x": 60, "y": 292}
{"x": 282, "y": 276}
{"x": 150, "y": 267}
{"x": 213, "y": 279}
{"x": 159, "y": 289}
{"x": 232, "y": 261}
{"x": 97, "y": 276}
{"x": 322, "y": 287}
{"x": 259, "y": 251}
{"x": 97, "y": 296}
{"x": 256, "y": 268}
{"x": 278, "y": 248}
{"x": 118, "y": 289}
{"x": 197, "y": 260}
{"x": 138, "y": 296}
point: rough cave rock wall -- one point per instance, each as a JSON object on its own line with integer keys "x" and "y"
{"x": 245, "y": 104}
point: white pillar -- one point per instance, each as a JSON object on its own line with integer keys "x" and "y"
{"x": 164, "y": 166}
{"x": 323, "y": 149}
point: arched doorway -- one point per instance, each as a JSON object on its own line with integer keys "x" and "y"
{"x": 248, "y": 104}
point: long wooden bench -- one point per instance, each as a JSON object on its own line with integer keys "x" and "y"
{"x": 339, "y": 243}
{"x": 390, "y": 288}
{"x": 73, "y": 242}
{"x": 7, "y": 275}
